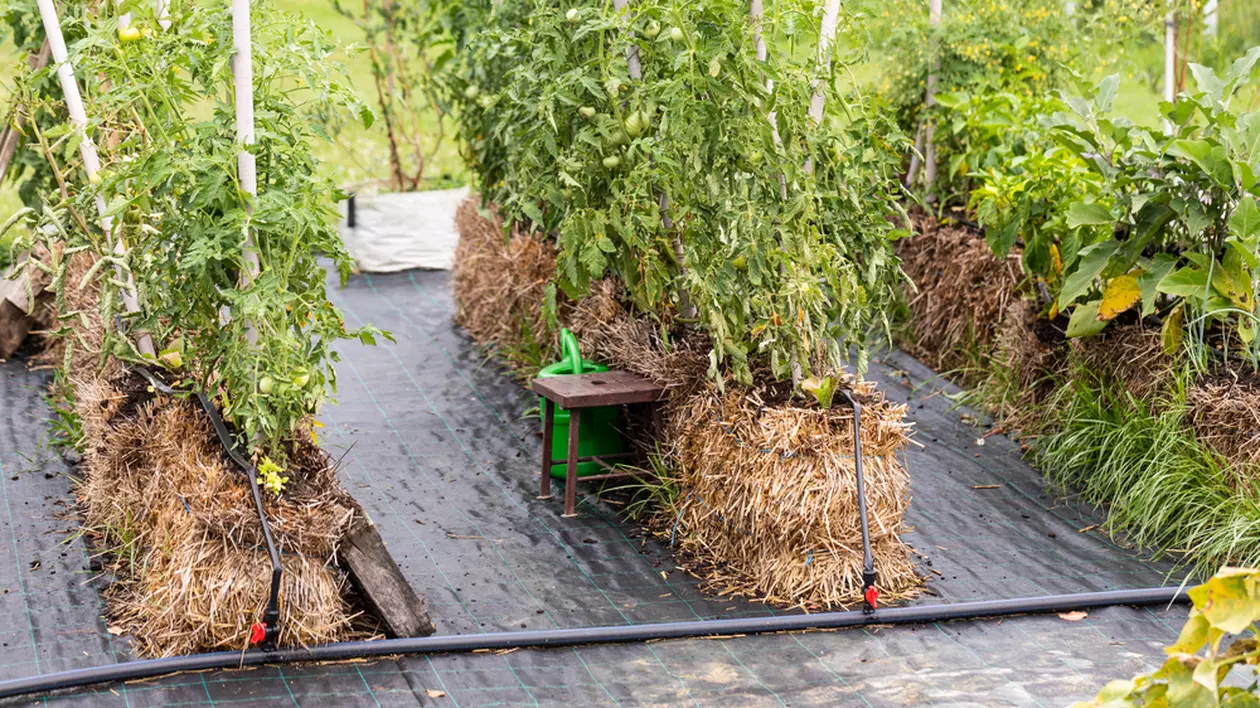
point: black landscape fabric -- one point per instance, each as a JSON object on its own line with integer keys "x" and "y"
{"x": 439, "y": 453}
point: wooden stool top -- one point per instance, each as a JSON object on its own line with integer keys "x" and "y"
{"x": 608, "y": 388}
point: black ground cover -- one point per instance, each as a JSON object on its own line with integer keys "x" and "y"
{"x": 438, "y": 453}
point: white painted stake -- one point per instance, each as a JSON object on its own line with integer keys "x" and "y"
{"x": 1170, "y": 62}
{"x": 756, "y": 13}
{"x": 247, "y": 171}
{"x": 826, "y": 36}
{"x": 632, "y": 54}
{"x": 87, "y": 150}
{"x": 929, "y": 142}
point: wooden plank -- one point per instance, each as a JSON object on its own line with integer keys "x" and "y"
{"x": 15, "y": 310}
{"x": 377, "y": 576}
{"x": 609, "y": 388}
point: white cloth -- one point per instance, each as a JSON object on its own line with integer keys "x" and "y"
{"x": 400, "y": 231}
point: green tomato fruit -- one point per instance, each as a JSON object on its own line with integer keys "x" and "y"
{"x": 126, "y": 35}
{"x": 472, "y": 91}
{"x": 301, "y": 379}
{"x": 266, "y": 385}
{"x": 740, "y": 263}
{"x": 587, "y": 112}
{"x": 675, "y": 34}
{"x": 634, "y": 125}
{"x": 612, "y": 162}
{"x": 573, "y": 16}
{"x": 653, "y": 28}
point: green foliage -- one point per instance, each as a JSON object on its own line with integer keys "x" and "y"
{"x": 403, "y": 76}
{"x": 170, "y": 185}
{"x": 1227, "y": 605}
{"x": 1162, "y": 489}
{"x": 772, "y": 237}
{"x": 1173, "y": 221}
{"x": 1007, "y": 51}
{"x": 20, "y": 22}
{"x": 1022, "y": 177}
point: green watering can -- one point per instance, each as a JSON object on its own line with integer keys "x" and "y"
{"x": 601, "y": 427}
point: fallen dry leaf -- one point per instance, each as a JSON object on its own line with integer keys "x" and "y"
{"x": 1076, "y": 616}
{"x": 434, "y": 693}
{"x": 115, "y": 630}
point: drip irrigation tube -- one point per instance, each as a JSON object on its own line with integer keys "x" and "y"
{"x": 267, "y": 631}
{"x": 134, "y": 670}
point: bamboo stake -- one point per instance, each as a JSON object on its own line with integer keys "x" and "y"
{"x": 87, "y": 150}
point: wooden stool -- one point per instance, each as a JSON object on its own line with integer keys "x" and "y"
{"x": 574, "y": 393}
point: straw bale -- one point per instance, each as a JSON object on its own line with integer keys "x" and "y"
{"x": 194, "y": 571}
{"x": 962, "y": 293}
{"x": 769, "y": 498}
{"x": 611, "y": 333}
{"x": 1131, "y": 355}
{"x": 1225, "y": 416}
{"x": 499, "y": 280}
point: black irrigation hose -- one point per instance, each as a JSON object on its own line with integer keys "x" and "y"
{"x": 268, "y": 630}
{"x": 134, "y": 670}
{"x": 870, "y": 594}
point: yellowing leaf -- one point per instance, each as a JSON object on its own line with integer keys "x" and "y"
{"x": 1170, "y": 334}
{"x": 1121, "y": 293}
{"x": 1056, "y": 259}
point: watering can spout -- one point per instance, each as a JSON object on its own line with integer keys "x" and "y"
{"x": 569, "y": 351}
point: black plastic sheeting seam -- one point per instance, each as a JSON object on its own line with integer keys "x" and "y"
{"x": 133, "y": 670}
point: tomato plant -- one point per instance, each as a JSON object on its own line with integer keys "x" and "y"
{"x": 712, "y": 196}
{"x": 161, "y": 106}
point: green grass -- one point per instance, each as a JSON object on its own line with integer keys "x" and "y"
{"x": 1162, "y": 489}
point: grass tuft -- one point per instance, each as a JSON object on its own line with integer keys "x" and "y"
{"x": 1161, "y": 487}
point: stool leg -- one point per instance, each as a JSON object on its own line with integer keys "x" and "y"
{"x": 549, "y": 423}
{"x": 570, "y": 468}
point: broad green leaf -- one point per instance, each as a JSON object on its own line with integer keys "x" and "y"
{"x": 1244, "y": 223}
{"x": 1183, "y": 691}
{"x": 1107, "y": 89}
{"x": 1170, "y": 335}
{"x": 1207, "y": 81}
{"x": 1092, "y": 261}
{"x": 1088, "y": 214}
{"x": 1185, "y": 282}
{"x": 1084, "y": 321}
{"x": 1210, "y": 158}
{"x": 1155, "y": 272}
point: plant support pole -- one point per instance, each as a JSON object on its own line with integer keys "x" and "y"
{"x": 247, "y": 169}
{"x": 87, "y": 150}
{"x": 1170, "y": 62}
{"x": 929, "y": 101}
